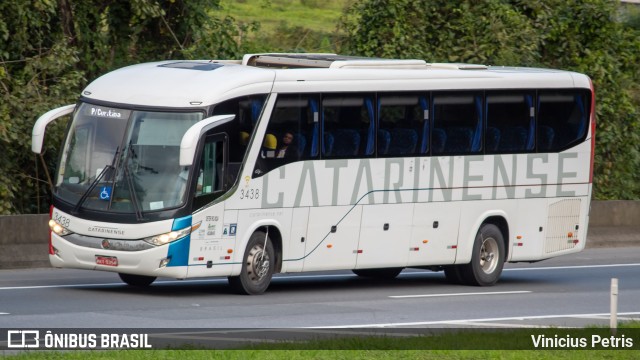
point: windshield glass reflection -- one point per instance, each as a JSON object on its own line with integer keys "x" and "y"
{"x": 140, "y": 150}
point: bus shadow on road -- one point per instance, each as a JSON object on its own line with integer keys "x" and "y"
{"x": 305, "y": 283}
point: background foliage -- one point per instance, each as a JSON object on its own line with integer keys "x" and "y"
{"x": 50, "y": 50}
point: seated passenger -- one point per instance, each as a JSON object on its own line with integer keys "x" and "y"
{"x": 287, "y": 150}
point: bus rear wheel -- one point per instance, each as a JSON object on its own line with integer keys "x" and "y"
{"x": 257, "y": 266}
{"x": 137, "y": 280}
{"x": 387, "y": 273}
{"x": 487, "y": 259}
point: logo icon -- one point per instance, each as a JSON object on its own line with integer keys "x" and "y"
{"x": 23, "y": 339}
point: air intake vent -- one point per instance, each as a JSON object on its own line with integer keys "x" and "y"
{"x": 192, "y": 65}
{"x": 458, "y": 66}
{"x": 562, "y": 226}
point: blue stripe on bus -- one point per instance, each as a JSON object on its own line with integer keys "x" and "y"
{"x": 181, "y": 223}
{"x": 179, "y": 250}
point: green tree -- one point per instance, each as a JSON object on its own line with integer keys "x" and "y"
{"x": 490, "y": 32}
{"x": 583, "y": 36}
{"x": 50, "y": 49}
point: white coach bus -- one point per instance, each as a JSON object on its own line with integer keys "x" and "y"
{"x": 283, "y": 163}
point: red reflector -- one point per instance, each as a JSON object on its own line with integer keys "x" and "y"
{"x": 227, "y": 257}
{"x": 518, "y": 244}
{"x": 359, "y": 251}
{"x": 201, "y": 258}
{"x": 575, "y": 242}
{"x": 452, "y": 247}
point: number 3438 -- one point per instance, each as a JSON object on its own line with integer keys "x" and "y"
{"x": 249, "y": 194}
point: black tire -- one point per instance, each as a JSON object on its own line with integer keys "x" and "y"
{"x": 137, "y": 280}
{"x": 487, "y": 259}
{"x": 386, "y": 273}
{"x": 453, "y": 274}
{"x": 257, "y": 267}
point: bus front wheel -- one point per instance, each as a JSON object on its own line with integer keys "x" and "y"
{"x": 487, "y": 259}
{"x": 137, "y": 280}
{"x": 257, "y": 266}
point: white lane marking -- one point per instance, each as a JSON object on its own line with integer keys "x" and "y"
{"x": 107, "y": 284}
{"x": 460, "y": 294}
{"x": 573, "y": 267}
{"x": 464, "y": 321}
{"x": 289, "y": 277}
{"x": 512, "y": 326}
{"x": 1, "y": 313}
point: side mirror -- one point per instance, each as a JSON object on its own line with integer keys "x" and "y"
{"x": 190, "y": 139}
{"x": 37, "y": 135}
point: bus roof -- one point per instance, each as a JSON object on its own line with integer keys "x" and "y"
{"x": 193, "y": 84}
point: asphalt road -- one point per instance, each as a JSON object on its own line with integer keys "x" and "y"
{"x": 567, "y": 291}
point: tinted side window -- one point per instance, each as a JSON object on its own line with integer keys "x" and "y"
{"x": 403, "y": 124}
{"x": 292, "y": 133}
{"x": 247, "y": 110}
{"x": 563, "y": 119}
{"x": 457, "y": 123}
{"x": 510, "y": 123}
{"x": 212, "y": 177}
{"x": 348, "y": 126}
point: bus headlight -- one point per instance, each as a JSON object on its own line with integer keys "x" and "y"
{"x": 172, "y": 236}
{"x": 58, "y": 229}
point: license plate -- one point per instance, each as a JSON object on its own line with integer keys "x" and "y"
{"x": 107, "y": 260}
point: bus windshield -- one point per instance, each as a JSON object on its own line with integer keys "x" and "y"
{"x": 123, "y": 160}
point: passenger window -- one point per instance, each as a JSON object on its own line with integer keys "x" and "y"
{"x": 457, "y": 123}
{"x": 403, "y": 125}
{"x": 292, "y": 133}
{"x": 348, "y": 126}
{"x": 510, "y": 123}
{"x": 247, "y": 110}
{"x": 562, "y": 119}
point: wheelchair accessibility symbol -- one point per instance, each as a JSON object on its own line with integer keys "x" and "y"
{"x": 105, "y": 193}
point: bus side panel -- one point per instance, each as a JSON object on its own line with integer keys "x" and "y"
{"x": 209, "y": 245}
{"x": 327, "y": 250}
{"x": 527, "y": 234}
{"x": 434, "y": 233}
{"x": 384, "y": 236}
{"x": 294, "y": 250}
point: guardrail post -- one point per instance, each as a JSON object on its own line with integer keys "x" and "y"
{"x": 613, "y": 322}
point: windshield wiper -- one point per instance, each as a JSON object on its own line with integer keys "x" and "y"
{"x": 132, "y": 191}
{"x": 95, "y": 182}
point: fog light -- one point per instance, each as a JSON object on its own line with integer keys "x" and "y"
{"x": 164, "y": 262}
